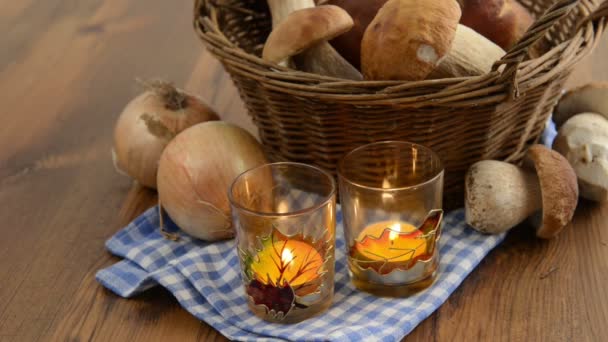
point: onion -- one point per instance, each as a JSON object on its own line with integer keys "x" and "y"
{"x": 148, "y": 123}
{"x": 195, "y": 172}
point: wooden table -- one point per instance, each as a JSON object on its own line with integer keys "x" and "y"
{"x": 67, "y": 68}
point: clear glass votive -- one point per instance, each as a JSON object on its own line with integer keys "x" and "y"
{"x": 391, "y": 196}
{"x": 284, "y": 215}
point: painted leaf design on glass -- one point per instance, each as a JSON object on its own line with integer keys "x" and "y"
{"x": 398, "y": 249}
{"x": 276, "y": 299}
{"x": 284, "y": 270}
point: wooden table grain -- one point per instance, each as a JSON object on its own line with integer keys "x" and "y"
{"x": 67, "y": 68}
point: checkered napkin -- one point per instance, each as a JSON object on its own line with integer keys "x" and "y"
{"x": 205, "y": 279}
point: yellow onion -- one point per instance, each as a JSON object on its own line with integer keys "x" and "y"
{"x": 148, "y": 123}
{"x": 195, "y": 172}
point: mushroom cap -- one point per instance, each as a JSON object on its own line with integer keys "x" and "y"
{"x": 304, "y": 28}
{"x": 362, "y": 12}
{"x": 592, "y": 97}
{"x": 559, "y": 189}
{"x": 408, "y": 38}
{"x": 502, "y": 21}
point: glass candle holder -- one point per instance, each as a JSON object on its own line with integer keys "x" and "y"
{"x": 284, "y": 217}
{"x": 391, "y": 195}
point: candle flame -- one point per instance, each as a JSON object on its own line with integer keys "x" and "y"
{"x": 287, "y": 256}
{"x": 395, "y": 230}
{"x": 388, "y": 245}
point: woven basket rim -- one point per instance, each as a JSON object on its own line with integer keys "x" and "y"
{"x": 517, "y": 74}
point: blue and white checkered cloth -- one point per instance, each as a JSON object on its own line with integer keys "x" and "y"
{"x": 205, "y": 279}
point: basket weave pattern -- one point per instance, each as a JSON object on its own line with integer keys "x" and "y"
{"x": 316, "y": 119}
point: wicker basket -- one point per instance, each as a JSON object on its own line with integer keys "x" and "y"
{"x": 315, "y": 119}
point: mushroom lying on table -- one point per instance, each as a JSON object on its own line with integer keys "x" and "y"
{"x": 500, "y": 195}
{"x": 583, "y": 140}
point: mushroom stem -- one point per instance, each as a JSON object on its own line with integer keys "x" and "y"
{"x": 500, "y": 196}
{"x": 322, "y": 59}
{"x": 471, "y": 54}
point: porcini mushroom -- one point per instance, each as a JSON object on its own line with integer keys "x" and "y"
{"x": 500, "y": 195}
{"x": 592, "y": 97}
{"x": 318, "y": 56}
{"x": 583, "y": 140}
{"x": 502, "y": 21}
{"x": 303, "y": 29}
{"x": 408, "y": 38}
{"x": 362, "y": 12}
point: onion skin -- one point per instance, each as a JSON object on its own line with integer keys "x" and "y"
{"x": 146, "y": 126}
{"x": 195, "y": 172}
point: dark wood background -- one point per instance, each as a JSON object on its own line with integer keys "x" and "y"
{"x": 67, "y": 68}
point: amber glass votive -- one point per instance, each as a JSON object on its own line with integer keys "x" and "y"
{"x": 391, "y": 196}
{"x": 284, "y": 217}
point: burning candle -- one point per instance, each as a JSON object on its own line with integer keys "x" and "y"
{"x": 385, "y": 246}
{"x": 391, "y": 251}
{"x": 386, "y": 189}
{"x": 396, "y": 242}
{"x": 292, "y": 262}
{"x": 285, "y": 237}
{"x": 285, "y": 272}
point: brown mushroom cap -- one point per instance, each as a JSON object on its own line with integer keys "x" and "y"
{"x": 304, "y": 28}
{"x": 408, "y": 38}
{"x": 592, "y": 97}
{"x": 502, "y": 21}
{"x": 559, "y": 189}
{"x": 362, "y": 12}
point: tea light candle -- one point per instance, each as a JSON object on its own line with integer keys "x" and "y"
{"x": 285, "y": 238}
{"x": 396, "y": 252}
{"x": 387, "y": 245}
{"x": 391, "y": 194}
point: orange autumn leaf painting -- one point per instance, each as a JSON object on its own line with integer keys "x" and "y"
{"x": 397, "y": 249}
{"x": 285, "y": 272}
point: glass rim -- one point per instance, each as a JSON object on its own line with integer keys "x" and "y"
{"x": 440, "y": 172}
{"x": 315, "y": 206}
